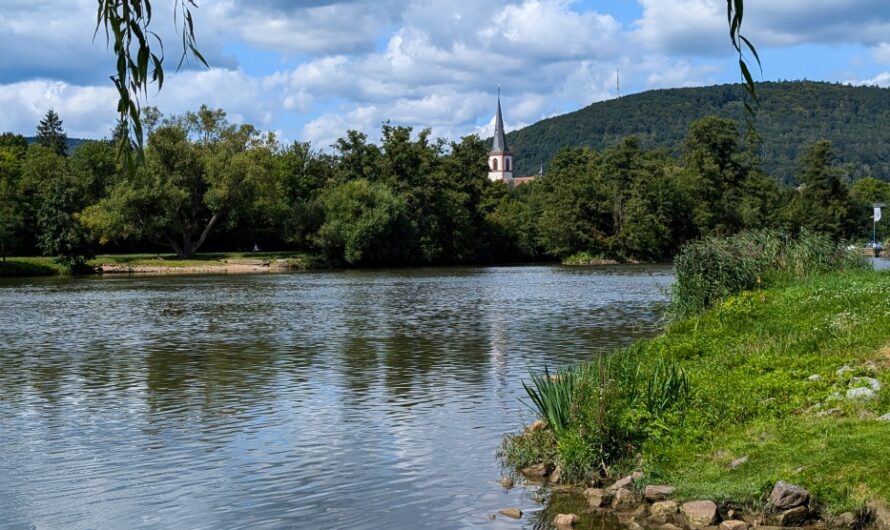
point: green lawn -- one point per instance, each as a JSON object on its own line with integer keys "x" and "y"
{"x": 750, "y": 364}
{"x": 21, "y": 267}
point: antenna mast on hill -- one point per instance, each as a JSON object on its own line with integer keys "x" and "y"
{"x": 618, "y": 83}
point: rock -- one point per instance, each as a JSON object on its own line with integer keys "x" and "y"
{"x": 537, "y": 425}
{"x": 669, "y": 526}
{"x": 733, "y": 525}
{"x": 829, "y": 412}
{"x": 657, "y": 493}
{"x": 512, "y": 513}
{"x": 786, "y": 496}
{"x": 738, "y": 462}
{"x": 880, "y": 516}
{"x": 845, "y": 520}
{"x": 666, "y": 508}
{"x": 556, "y": 475}
{"x": 624, "y": 500}
{"x": 843, "y": 370}
{"x": 814, "y": 377}
{"x": 633, "y": 525}
{"x": 491, "y": 517}
{"x": 565, "y": 520}
{"x": 793, "y": 517}
{"x": 885, "y": 417}
{"x": 597, "y": 497}
{"x": 872, "y": 383}
{"x": 506, "y": 482}
{"x": 699, "y": 513}
{"x": 860, "y": 393}
{"x": 625, "y": 482}
{"x": 537, "y": 470}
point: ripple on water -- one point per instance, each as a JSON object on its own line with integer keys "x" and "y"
{"x": 361, "y": 399}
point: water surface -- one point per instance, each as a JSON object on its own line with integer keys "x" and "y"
{"x": 371, "y": 399}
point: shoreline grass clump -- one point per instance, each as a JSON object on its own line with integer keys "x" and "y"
{"x": 787, "y": 382}
{"x": 714, "y": 268}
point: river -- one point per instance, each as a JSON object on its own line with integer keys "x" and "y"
{"x": 359, "y": 399}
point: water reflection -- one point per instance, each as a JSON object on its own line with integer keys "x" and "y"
{"x": 360, "y": 399}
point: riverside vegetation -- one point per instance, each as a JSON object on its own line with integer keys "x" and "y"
{"x": 774, "y": 366}
{"x": 210, "y": 185}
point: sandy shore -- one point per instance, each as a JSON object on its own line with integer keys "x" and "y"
{"x": 222, "y": 267}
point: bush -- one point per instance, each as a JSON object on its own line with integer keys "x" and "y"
{"x": 714, "y": 268}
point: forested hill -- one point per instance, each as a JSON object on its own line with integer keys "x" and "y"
{"x": 792, "y": 114}
{"x": 73, "y": 143}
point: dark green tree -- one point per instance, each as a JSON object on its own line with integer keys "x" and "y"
{"x": 51, "y": 135}
{"x": 823, "y": 202}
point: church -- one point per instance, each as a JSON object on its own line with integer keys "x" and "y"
{"x": 500, "y": 158}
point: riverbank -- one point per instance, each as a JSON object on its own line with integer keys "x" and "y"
{"x": 785, "y": 384}
{"x": 216, "y": 263}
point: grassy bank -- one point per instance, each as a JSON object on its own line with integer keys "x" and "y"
{"x": 210, "y": 262}
{"x": 760, "y": 380}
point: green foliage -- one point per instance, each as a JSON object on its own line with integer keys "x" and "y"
{"x": 552, "y": 396}
{"x": 713, "y": 269}
{"x": 51, "y": 135}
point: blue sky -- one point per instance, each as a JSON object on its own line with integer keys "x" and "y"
{"x": 312, "y": 69}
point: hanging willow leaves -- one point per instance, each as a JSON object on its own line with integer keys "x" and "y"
{"x": 735, "y": 11}
{"x": 140, "y": 60}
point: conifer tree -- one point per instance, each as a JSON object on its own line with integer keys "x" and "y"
{"x": 50, "y": 133}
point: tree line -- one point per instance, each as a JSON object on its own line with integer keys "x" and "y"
{"x": 410, "y": 200}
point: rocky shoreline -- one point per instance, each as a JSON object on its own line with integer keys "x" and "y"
{"x": 635, "y": 505}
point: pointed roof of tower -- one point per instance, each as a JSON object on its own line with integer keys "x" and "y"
{"x": 500, "y": 139}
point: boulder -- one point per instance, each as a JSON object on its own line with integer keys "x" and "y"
{"x": 597, "y": 497}
{"x": 669, "y": 526}
{"x": 814, "y": 377}
{"x": 733, "y": 525}
{"x": 657, "y": 493}
{"x": 699, "y": 513}
{"x": 871, "y": 382}
{"x": 666, "y": 508}
{"x": 537, "y": 425}
{"x": 786, "y": 496}
{"x": 506, "y": 482}
{"x": 843, "y": 370}
{"x": 738, "y": 462}
{"x": 565, "y": 520}
{"x": 556, "y": 475}
{"x": 512, "y": 513}
{"x": 880, "y": 516}
{"x": 792, "y": 517}
{"x": 625, "y": 482}
{"x": 633, "y": 525}
{"x": 861, "y": 393}
{"x": 537, "y": 470}
{"x": 885, "y": 417}
{"x": 846, "y": 521}
{"x": 624, "y": 500}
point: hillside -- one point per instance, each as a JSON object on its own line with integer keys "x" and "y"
{"x": 855, "y": 119}
{"x": 73, "y": 143}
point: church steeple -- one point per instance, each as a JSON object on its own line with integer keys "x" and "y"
{"x": 500, "y": 159}
{"x": 500, "y": 139}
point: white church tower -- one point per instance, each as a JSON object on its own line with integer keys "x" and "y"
{"x": 500, "y": 159}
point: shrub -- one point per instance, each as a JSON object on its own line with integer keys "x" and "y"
{"x": 714, "y": 268}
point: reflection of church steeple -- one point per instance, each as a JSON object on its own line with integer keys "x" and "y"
{"x": 500, "y": 159}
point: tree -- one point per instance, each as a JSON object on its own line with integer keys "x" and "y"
{"x": 822, "y": 203}
{"x": 51, "y": 135}
{"x": 363, "y": 221}
{"x": 11, "y": 220}
{"x": 200, "y": 171}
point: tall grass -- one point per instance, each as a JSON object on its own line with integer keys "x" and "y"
{"x": 715, "y": 268}
{"x": 552, "y": 396}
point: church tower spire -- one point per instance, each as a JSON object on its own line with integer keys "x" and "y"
{"x": 500, "y": 159}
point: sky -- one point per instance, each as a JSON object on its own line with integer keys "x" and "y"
{"x": 310, "y": 70}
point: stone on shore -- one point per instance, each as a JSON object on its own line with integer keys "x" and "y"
{"x": 624, "y": 500}
{"x": 537, "y": 470}
{"x": 565, "y": 520}
{"x": 786, "y": 496}
{"x": 860, "y": 393}
{"x": 885, "y": 417}
{"x": 663, "y": 511}
{"x": 625, "y": 482}
{"x": 699, "y": 513}
{"x": 556, "y": 475}
{"x": 537, "y": 425}
{"x": 657, "y": 493}
{"x": 597, "y": 497}
{"x": 792, "y": 517}
{"x": 512, "y": 513}
{"x": 738, "y": 462}
{"x": 733, "y": 525}
{"x": 814, "y": 377}
{"x": 845, "y": 520}
{"x": 506, "y": 482}
{"x": 872, "y": 383}
{"x": 880, "y": 516}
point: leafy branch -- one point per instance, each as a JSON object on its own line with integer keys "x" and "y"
{"x": 140, "y": 60}
{"x": 735, "y": 11}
